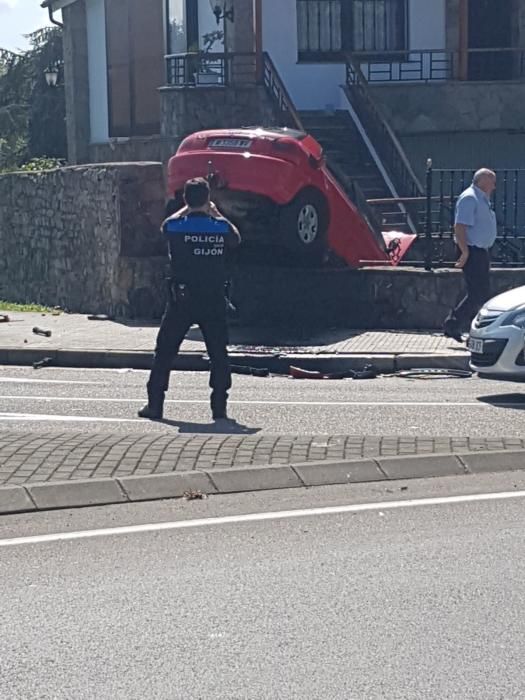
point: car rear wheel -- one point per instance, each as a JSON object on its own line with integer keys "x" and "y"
{"x": 304, "y": 225}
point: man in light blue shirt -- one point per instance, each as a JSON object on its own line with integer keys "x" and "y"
{"x": 475, "y": 233}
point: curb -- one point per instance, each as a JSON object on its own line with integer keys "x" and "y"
{"x": 197, "y": 362}
{"x": 134, "y": 489}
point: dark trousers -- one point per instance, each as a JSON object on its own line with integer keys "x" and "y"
{"x": 210, "y": 316}
{"x": 477, "y": 278}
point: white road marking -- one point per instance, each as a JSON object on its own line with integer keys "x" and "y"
{"x": 271, "y": 402}
{"x": 14, "y": 380}
{"x": 63, "y": 419}
{"x": 260, "y": 517}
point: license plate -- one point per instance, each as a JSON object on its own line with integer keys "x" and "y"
{"x": 475, "y": 346}
{"x": 242, "y": 144}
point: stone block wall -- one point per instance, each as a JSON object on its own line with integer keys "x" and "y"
{"x": 452, "y": 107}
{"x": 68, "y": 236}
{"x": 185, "y": 110}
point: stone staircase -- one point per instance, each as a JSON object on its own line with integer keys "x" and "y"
{"x": 350, "y": 161}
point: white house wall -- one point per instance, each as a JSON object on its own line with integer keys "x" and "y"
{"x": 97, "y": 71}
{"x": 317, "y": 85}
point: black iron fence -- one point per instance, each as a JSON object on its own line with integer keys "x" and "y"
{"x": 442, "y": 190}
{"x": 429, "y": 65}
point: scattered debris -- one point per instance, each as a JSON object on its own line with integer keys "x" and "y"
{"x": 433, "y": 373}
{"x": 43, "y": 363}
{"x": 99, "y": 317}
{"x": 250, "y": 371}
{"x": 368, "y": 372}
{"x": 195, "y": 496}
{"x": 4, "y": 318}
{"x": 404, "y": 488}
{"x": 42, "y": 331}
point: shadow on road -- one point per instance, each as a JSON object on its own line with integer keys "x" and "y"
{"x": 222, "y": 427}
{"x": 515, "y": 401}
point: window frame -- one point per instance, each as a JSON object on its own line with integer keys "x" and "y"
{"x": 338, "y": 56}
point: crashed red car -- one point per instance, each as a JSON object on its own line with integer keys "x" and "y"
{"x": 275, "y": 185}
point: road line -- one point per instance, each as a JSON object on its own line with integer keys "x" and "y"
{"x": 14, "y": 380}
{"x": 63, "y": 419}
{"x": 438, "y": 404}
{"x": 260, "y": 517}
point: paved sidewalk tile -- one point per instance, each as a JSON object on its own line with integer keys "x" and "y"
{"x": 74, "y": 332}
{"x": 31, "y": 458}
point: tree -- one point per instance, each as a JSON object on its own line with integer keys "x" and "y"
{"x": 32, "y": 115}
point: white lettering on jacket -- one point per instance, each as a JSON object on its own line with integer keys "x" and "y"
{"x": 206, "y": 252}
{"x": 203, "y": 238}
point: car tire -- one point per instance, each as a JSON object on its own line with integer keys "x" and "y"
{"x": 304, "y": 225}
{"x": 174, "y": 205}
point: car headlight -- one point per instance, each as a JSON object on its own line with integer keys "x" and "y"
{"x": 516, "y": 318}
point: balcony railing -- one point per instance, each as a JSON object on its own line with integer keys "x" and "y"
{"x": 432, "y": 65}
{"x": 210, "y": 69}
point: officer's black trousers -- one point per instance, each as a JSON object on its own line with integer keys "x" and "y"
{"x": 210, "y": 316}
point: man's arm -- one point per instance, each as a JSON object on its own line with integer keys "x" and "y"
{"x": 234, "y": 240}
{"x": 465, "y": 217}
{"x": 460, "y": 231}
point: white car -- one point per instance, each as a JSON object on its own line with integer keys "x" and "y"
{"x": 497, "y": 337}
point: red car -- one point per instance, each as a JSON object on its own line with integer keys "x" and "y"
{"x": 275, "y": 185}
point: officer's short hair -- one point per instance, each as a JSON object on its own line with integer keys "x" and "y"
{"x": 196, "y": 192}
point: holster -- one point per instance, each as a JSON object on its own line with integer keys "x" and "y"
{"x": 178, "y": 292}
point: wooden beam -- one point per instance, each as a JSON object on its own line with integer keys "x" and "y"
{"x": 463, "y": 20}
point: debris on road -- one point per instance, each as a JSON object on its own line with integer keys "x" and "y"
{"x": 369, "y": 372}
{"x": 99, "y": 317}
{"x": 250, "y": 371}
{"x": 42, "y": 331}
{"x": 46, "y": 362}
{"x": 4, "y": 318}
{"x": 194, "y": 496}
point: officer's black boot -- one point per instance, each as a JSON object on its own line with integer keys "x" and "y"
{"x": 219, "y": 406}
{"x": 153, "y": 410}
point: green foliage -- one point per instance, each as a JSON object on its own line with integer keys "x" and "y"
{"x": 32, "y": 115}
{"x": 36, "y": 165}
{"x": 11, "y": 306}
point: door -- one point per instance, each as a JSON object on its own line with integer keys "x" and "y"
{"x": 490, "y": 27}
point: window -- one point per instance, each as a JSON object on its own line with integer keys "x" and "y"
{"x": 327, "y": 28}
{"x": 135, "y": 66}
{"x": 182, "y": 25}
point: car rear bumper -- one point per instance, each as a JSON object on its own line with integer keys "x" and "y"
{"x": 268, "y": 177}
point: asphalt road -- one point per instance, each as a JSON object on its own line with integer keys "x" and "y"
{"x": 79, "y": 400}
{"x": 403, "y": 600}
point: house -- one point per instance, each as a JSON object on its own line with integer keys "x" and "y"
{"x": 390, "y": 82}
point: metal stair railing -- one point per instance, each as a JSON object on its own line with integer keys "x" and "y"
{"x": 380, "y": 132}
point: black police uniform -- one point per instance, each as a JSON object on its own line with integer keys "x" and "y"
{"x": 198, "y": 246}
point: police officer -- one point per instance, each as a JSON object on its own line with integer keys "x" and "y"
{"x": 199, "y": 238}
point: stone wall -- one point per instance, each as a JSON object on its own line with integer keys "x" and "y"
{"x": 67, "y": 237}
{"x": 185, "y": 110}
{"x": 126, "y": 150}
{"x": 452, "y": 107}
{"x": 383, "y": 298}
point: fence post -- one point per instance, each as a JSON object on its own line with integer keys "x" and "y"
{"x": 428, "y": 222}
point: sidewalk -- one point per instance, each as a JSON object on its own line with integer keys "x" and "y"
{"x": 79, "y": 342}
{"x": 41, "y": 471}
